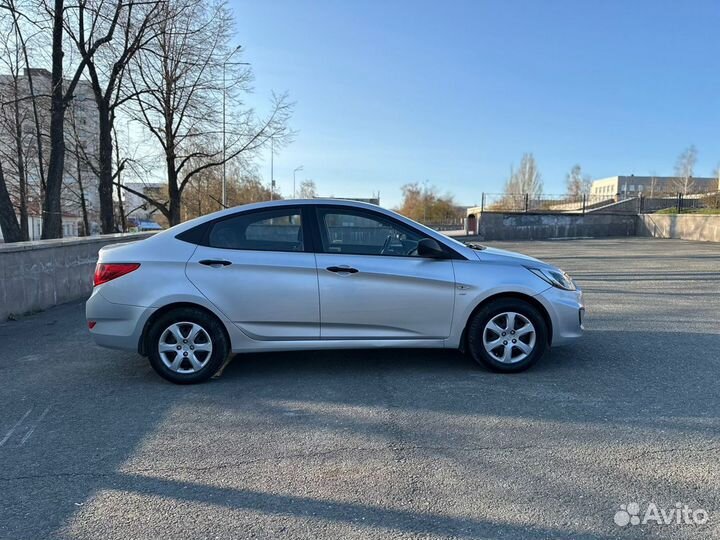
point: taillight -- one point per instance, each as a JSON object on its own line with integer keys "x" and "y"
{"x": 105, "y": 272}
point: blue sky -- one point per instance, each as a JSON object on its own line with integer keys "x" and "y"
{"x": 454, "y": 92}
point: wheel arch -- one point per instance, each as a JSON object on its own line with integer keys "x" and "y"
{"x": 512, "y": 295}
{"x": 142, "y": 342}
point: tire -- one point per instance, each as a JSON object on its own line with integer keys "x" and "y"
{"x": 200, "y": 338}
{"x": 489, "y": 346}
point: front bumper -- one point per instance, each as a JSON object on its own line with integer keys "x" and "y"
{"x": 567, "y": 311}
{"x": 117, "y": 326}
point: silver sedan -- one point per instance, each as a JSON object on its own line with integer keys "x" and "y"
{"x": 323, "y": 274}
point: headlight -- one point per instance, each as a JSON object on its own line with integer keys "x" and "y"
{"x": 556, "y": 278}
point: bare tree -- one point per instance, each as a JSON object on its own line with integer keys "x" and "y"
{"x": 13, "y": 150}
{"x": 203, "y": 193}
{"x": 308, "y": 189}
{"x": 82, "y": 163}
{"x": 108, "y": 35}
{"x": 684, "y": 169}
{"x": 574, "y": 182}
{"x": 178, "y": 87}
{"x": 577, "y": 183}
{"x": 653, "y": 183}
{"x": 52, "y": 218}
{"x": 60, "y": 98}
{"x": 526, "y": 179}
{"x": 27, "y": 34}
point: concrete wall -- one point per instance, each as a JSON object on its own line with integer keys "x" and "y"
{"x": 498, "y": 226}
{"x": 705, "y": 228}
{"x": 40, "y": 274}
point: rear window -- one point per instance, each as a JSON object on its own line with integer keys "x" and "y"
{"x": 272, "y": 230}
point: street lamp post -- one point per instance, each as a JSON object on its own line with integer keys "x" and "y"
{"x": 225, "y": 63}
{"x": 296, "y": 170}
{"x": 272, "y": 164}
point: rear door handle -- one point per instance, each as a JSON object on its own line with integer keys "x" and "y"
{"x": 214, "y": 262}
{"x": 342, "y": 269}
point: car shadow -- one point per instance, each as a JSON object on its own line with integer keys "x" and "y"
{"x": 431, "y": 421}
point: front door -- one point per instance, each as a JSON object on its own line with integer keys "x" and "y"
{"x": 373, "y": 285}
{"x": 258, "y": 270}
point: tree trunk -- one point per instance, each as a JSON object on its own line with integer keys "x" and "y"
{"x": 52, "y": 217}
{"x": 81, "y": 187}
{"x": 173, "y": 193}
{"x": 8, "y": 221}
{"x": 38, "y": 126}
{"x": 121, "y": 206}
{"x": 105, "y": 180}
{"x": 22, "y": 175}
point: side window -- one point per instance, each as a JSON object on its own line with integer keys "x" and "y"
{"x": 365, "y": 233}
{"x": 272, "y": 230}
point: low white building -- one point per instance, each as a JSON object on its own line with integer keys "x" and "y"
{"x": 650, "y": 186}
{"x": 71, "y": 226}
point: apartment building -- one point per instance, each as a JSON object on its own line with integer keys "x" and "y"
{"x": 81, "y": 139}
{"x": 650, "y": 186}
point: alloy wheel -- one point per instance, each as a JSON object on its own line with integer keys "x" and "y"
{"x": 185, "y": 347}
{"x": 509, "y": 337}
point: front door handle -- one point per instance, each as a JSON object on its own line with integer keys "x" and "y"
{"x": 342, "y": 269}
{"x": 215, "y": 263}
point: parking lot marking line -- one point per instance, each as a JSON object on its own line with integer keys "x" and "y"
{"x": 12, "y": 429}
{"x": 30, "y": 431}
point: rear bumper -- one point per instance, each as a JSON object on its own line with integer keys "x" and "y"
{"x": 117, "y": 326}
{"x": 567, "y": 311}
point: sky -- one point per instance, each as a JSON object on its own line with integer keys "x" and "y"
{"x": 454, "y": 92}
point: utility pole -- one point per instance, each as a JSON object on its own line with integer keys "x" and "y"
{"x": 272, "y": 174}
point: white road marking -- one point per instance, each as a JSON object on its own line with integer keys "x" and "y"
{"x": 30, "y": 432}
{"x": 12, "y": 429}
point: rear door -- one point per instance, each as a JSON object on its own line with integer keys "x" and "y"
{"x": 373, "y": 285}
{"x": 259, "y": 270}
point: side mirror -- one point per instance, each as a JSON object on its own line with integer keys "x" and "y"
{"x": 429, "y": 248}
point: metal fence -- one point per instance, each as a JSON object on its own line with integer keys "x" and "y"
{"x": 547, "y": 203}
{"x": 580, "y": 204}
{"x": 446, "y": 225}
{"x": 680, "y": 203}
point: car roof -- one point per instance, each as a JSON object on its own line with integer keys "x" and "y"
{"x": 457, "y": 246}
{"x": 278, "y": 204}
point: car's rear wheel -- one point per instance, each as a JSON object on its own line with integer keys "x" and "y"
{"x": 507, "y": 335}
{"x": 187, "y": 346}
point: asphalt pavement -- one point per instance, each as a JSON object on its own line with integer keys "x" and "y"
{"x": 383, "y": 444}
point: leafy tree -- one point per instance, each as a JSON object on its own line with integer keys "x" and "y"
{"x": 423, "y": 203}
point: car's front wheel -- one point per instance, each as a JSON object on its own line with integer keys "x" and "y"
{"x": 187, "y": 346}
{"x": 507, "y": 335}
